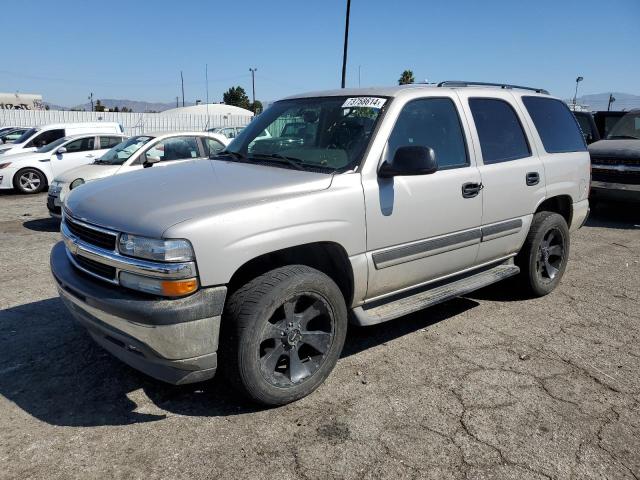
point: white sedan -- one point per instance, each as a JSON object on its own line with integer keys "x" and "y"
{"x": 31, "y": 172}
{"x": 137, "y": 152}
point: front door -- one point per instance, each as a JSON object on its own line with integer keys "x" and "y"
{"x": 79, "y": 152}
{"x": 423, "y": 227}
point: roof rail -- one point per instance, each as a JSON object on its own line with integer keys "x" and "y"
{"x": 458, "y": 83}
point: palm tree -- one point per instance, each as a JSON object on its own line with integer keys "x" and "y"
{"x": 406, "y": 78}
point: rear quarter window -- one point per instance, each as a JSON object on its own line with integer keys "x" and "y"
{"x": 558, "y": 128}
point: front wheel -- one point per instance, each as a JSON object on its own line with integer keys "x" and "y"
{"x": 544, "y": 255}
{"x": 283, "y": 333}
{"x": 30, "y": 180}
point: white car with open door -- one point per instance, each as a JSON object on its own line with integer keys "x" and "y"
{"x": 31, "y": 172}
{"x": 137, "y": 152}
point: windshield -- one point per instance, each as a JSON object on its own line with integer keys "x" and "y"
{"x": 325, "y": 134}
{"x": 627, "y": 127}
{"x": 53, "y": 145}
{"x": 25, "y": 136}
{"x": 123, "y": 151}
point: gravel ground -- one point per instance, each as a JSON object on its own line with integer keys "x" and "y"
{"x": 487, "y": 386}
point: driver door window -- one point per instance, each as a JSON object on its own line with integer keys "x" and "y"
{"x": 45, "y": 138}
{"x": 80, "y": 145}
{"x": 175, "y": 148}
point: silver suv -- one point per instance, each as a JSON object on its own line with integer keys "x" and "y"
{"x": 382, "y": 202}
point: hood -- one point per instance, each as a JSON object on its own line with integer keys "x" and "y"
{"x": 87, "y": 173}
{"x": 147, "y": 202}
{"x": 21, "y": 155}
{"x": 627, "y": 149}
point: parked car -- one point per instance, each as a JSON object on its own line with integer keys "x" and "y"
{"x": 6, "y": 129}
{"x": 12, "y": 134}
{"x": 38, "y": 137}
{"x": 615, "y": 162}
{"x": 31, "y": 172}
{"x": 606, "y": 120}
{"x": 588, "y": 126}
{"x": 262, "y": 256}
{"x": 232, "y": 132}
{"x": 133, "y": 154}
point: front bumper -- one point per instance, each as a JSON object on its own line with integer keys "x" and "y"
{"x": 171, "y": 340}
{"x": 615, "y": 191}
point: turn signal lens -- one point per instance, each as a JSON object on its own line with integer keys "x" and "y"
{"x": 179, "y": 288}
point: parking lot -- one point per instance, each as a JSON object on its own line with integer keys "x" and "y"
{"x": 488, "y": 386}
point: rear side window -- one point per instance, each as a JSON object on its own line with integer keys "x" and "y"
{"x": 108, "y": 142}
{"x": 556, "y": 125}
{"x": 501, "y": 135}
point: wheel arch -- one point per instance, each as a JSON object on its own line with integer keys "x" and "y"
{"x": 560, "y": 204}
{"x": 328, "y": 257}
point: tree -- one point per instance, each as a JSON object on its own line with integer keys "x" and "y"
{"x": 236, "y": 96}
{"x": 98, "y": 107}
{"x": 406, "y": 78}
{"x": 115, "y": 109}
{"x": 256, "y": 107}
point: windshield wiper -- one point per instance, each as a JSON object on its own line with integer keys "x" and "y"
{"x": 236, "y": 155}
{"x": 276, "y": 157}
{"x": 622, "y": 137}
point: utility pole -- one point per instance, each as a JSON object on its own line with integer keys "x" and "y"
{"x": 346, "y": 42}
{"x": 358, "y": 76}
{"x": 253, "y": 84}
{"x": 575, "y": 95}
{"x": 182, "y": 82}
{"x": 177, "y": 103}
{"x": 91, "y": 100}
{"x": 611, "y": 100}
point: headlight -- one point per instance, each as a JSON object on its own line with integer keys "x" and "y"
{"x": 4, "y": 165}
{"x": 155, "y": 249}
{"x": 76, "y": 183}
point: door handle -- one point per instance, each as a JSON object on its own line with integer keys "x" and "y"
{"x": 533, "y": 178}
{"x": 471, "y": 189}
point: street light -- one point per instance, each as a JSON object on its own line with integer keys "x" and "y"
{"x": 253, "y": 84}
{"x": 578, "y": 80}
{"x": 346, "y": 42}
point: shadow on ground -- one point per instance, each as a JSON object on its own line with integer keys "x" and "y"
{"x": 614, "y": 215}
{"x": 43, "y": 225}
{"x": 53, "y": 370}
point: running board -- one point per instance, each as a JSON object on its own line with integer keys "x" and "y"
{"x": 378, "y": 312}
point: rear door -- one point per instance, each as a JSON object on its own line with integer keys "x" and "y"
{"x": 512, "y": 173}
{"x": 79, "y": 152}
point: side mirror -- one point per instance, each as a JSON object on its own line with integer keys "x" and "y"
{"x": 61, "y": 150}
{"x": 410, "y": 160}
{"x": 149, "y": 161}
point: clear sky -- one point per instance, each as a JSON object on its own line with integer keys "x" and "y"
{"x": 135, "y": 49}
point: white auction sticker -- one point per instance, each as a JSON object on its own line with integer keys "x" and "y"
{"x": 365, "y": 102}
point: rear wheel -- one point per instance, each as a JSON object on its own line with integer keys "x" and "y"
{"x": 283, "y": 333}
{"x": 30, "y": 180}
{"x": 544, "y": 255}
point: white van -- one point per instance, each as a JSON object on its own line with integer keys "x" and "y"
{"x": 38, "y": 137}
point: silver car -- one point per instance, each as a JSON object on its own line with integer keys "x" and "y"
{"x": 375, "y": 204}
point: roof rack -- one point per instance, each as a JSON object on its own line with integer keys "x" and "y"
{"x": 458, "y": 83}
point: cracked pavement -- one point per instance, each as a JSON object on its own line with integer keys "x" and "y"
{"x": 491, "y": 386}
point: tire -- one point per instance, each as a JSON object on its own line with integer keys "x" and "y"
{"x": 543, "y": 257}
{"x": 29, "y": 181}
{"x": 282, "y": 334}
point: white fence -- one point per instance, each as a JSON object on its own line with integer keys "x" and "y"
{"x": 133, "y": 123}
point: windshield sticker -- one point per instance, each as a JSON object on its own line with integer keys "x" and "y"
{"x": 364, "y": 102}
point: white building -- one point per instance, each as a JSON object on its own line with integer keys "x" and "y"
{"x": 210, "y": 109}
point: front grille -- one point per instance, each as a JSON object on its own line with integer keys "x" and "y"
{"x": 92, "y": 236}
{"x": 612, "y": 176}
{"x": 100, "y": 269}
{"x": 634, "y": 162}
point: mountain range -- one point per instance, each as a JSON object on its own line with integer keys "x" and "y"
{"x": 135, "y": 105}
{"x": 599, "y": 101}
